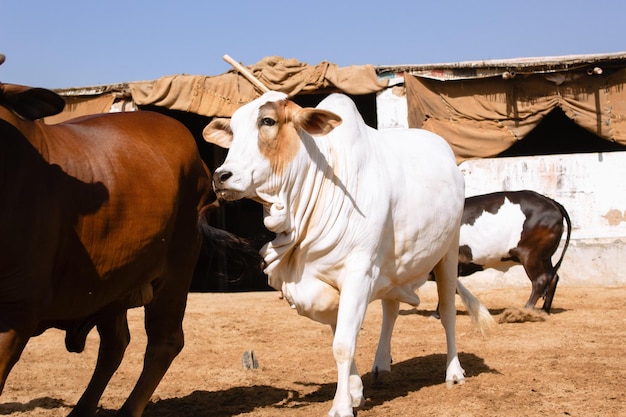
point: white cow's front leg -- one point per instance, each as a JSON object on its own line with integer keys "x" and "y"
{"x": 382, "y": 360}
{"x": 356, "y": 387}
{"x": 352, "y": 307}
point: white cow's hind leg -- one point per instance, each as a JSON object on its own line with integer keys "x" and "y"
{"x": 445, "y": 275}
{"x": 382, "y": 360}
{"x": 391, "y": 308}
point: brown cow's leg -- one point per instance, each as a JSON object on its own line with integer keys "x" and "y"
{"x": 538, "y": 269}
{"x": 540, "y": 276}
{"x": 11, "y": 347}
{"x": 547, "y": 303}
{"x": 163, "y": 322}
{"x": 114, "y": 338}
{"x": 164, "y": 314}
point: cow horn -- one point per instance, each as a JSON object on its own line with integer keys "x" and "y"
{"x": 247, "y": 74}
{"x": 2, "y": 58}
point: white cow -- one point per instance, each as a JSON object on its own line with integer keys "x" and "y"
{"x": 359, "y": 215}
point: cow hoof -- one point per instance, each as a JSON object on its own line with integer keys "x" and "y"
{"x": 380, "y": 378}
{"x": 342, "y": 413}
{"x": 357, "y": 402}
{"x": 451, "y": 383}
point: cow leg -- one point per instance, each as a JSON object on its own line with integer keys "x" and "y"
{"x": 538, "y": 287}
{"x": 547, "y": 303}
{"x": 356, "y": 386}
{"x": 540, "y": 274}
{"x": 382, "y": 360}
{"x": 355, "y": 383}
{"x": 12, "y": 345}
{"x": 114, "y": 339}
{"x": 163, "y": 322}
{"x": 353, "y": 303}
{"x": 445, "y": 276}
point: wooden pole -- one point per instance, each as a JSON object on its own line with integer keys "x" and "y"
{"x": 247, "y": 74}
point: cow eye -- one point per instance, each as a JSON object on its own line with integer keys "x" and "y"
{"x": 266, "y": 121}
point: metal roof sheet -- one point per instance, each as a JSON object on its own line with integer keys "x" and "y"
{"x": 497, "y": 67}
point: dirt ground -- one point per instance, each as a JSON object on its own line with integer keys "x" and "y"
{"x": 570, "y": 363}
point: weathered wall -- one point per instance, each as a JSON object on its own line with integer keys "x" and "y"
{"x": 592, "y": 189}
{"x": 391, "y": 108}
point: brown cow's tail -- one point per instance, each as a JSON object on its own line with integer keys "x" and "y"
{"x": 551, "y": 290}
{"x": 569, "y": 233}
{"x": 225, "y": 243}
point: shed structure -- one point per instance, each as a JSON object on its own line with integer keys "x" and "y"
{"x": 556, "y": 125}
{"x": 195, "y": 99}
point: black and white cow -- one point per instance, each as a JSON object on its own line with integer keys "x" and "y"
{"x": 502, "y": 229}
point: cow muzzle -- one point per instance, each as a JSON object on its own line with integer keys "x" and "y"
{"x": 220, "y": 184}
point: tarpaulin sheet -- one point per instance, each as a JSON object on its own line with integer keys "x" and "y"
{"x": 480, "y": 118}
{"x": 82, "y": 106}
{"x": 221, "y": 95}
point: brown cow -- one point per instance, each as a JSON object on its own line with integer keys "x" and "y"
{"x": 98, "y": 215}
{"x": 506, "y": 228}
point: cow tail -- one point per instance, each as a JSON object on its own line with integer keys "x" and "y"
{"x": 567, "y": 238}
{"x": 481, "y": 318}
{"x": 226, "y": 243}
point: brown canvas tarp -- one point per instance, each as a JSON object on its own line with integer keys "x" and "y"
{"x": 221, "y": 95}
{"x": 483, "y": 117}
{"x": 82, "y": 106}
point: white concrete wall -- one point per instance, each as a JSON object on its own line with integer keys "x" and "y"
{"x": 391, "y": 107}
{"x": 592, "y": 187}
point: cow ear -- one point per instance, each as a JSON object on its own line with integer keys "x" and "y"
{"x": 31, "y": 103}
{"x": 317, "y": 122}
{"x": 219, "y": 133}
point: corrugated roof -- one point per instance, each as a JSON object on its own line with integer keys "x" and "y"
{"x": 499, "y": 67}
{"x": 121, "y": 89}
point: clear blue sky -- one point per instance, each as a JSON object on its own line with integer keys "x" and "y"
{"x": 70, "y": 43}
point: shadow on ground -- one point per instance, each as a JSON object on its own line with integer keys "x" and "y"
{"x": 46, "y": 403}
{"x": 408, "y": 376}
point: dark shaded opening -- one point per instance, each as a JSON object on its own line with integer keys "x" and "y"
{"x": 366, "y": 104}
{"x": 218, "y": 273}
{"x": 558, "y": 134}
{"x": 245, "y": 217}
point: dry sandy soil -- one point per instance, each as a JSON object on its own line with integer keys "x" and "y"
{"x": 570, "y": 363}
